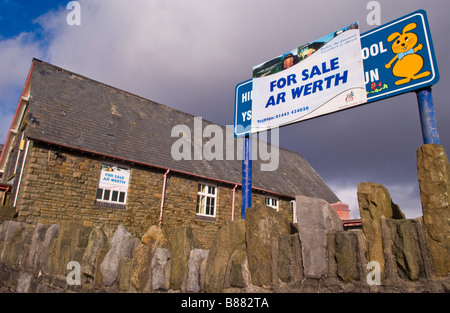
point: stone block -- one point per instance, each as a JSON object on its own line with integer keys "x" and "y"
{"x": 235, "y": 276}
{"x": 229, "y": 238}
{"x": 263, "y": 223}
{"x": 125, "y": 273}
{"x": 24, "y": 282}
{"x": 375, "y": 201}
{"x": 433, "y": 171}
{"x": 142, "y": 259}
{"x": 347, "y": 256}
{"x": 41, "y": 244}
{"x": 10, "y": 233}
{"x": 193, "y": 283}
{"x": 97, "y": 241}
{"x": 315, "y": 218}
{"x": 122, "y": 245}
{"x": 405, "y": 250}
{"x": 182, "y": 241}
{"x": 289, "y": 261}
{"x": 161, "y": 268}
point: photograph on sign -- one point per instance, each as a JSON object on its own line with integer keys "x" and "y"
{"x": 398, "y": 57}
{"x": 318, "y": 78}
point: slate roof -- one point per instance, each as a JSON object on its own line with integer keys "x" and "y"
{"x": 74, "y": 111}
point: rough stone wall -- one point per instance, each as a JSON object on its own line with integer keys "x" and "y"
{"x": 264, "y": 253}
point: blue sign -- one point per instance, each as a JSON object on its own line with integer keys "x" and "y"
{"x": 243, "y": 108}
{"x": 398, "y": 57}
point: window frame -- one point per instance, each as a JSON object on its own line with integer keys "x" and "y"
{"x": 206, "y": 195}
{"x": 270, "y": 204}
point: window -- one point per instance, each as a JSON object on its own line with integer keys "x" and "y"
{"x": 272, "y": 202}
{"x": 206, "y": 200}
{"x": 294, "y": 211}
{"x": 112, "y": 186}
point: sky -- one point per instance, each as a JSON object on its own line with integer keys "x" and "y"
{"x": 190, "y": 55}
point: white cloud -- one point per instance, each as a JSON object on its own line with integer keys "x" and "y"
{"x": 146, "y": 47}
{"x": 407, "y": 197}
{"x": 15, "y": 61}
{"x": 5, "y": 123}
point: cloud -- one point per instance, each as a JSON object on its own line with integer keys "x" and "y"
{"x": 152, "y": 48}
{"x": 5, "y": 123}
{"x": 185, "y": 54}
{"x": 15, "y": 61}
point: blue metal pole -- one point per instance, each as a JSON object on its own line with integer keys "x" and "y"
{"x": 246, "y": 176}
{"x": 427, "y": 116}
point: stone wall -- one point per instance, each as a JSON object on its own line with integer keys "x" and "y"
{"x": 55, "y": 190}
{"x": 264, "y": 253}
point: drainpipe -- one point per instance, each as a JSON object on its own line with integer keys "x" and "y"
{"x": 162, "y": 198}
{"x": 21, "y": 173}
{"x": 232, "y": 205}
{"x": 4, "y": 194}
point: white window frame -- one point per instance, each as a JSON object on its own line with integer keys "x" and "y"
{"x": 269, "y": 201}
{"x": 294, "y": 211}
{"x": 207, "y": 196}
{"x": 101, "y": 199}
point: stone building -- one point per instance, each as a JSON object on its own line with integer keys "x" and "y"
{"x": 80, "y": 150}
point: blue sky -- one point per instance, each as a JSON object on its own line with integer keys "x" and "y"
{"x": 18, "y": 16}
{"x": 190, "y": 55}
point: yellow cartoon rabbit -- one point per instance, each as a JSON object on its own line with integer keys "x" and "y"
{"x": 409, "y": 63}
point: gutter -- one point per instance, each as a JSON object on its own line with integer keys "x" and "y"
{"x": 6, "y": 188}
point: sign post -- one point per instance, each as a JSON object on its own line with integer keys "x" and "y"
{"x": 246, "y": 176}
{"x": 242, "y": 127}
{"x": 427, "y": 116}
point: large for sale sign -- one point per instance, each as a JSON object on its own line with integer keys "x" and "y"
{"x": 318, "y": 78}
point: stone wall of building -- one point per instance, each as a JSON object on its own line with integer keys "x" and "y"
{"x": 63, "y": 188}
